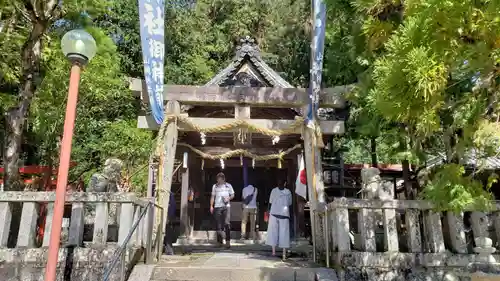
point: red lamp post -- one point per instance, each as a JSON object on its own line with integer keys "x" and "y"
{"x": 79, "y": 47}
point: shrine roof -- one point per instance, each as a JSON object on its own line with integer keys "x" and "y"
{"x": 248, "y": 69}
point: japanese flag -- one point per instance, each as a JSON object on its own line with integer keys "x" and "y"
{"x": 301, "y": 182}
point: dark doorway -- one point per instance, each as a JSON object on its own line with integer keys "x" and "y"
{"x": 263, "y": 178}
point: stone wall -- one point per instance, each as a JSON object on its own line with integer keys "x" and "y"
{"x": 384, "y": 274}
{"x": 384, "y": 239}
{"x": 359, "y": 266}
{"x": 75, "y": 264}
{"x": 94, "y": 224}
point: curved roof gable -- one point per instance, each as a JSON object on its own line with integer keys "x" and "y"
{"x": 248, "y": 69}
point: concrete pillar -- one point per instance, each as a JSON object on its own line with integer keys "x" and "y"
{"x": 27, "y": 228}
{"x": 126, "y": 221}
{"x": 457, "y": 232}
{"x": 342, "y": 240}
{"x": 48, "y": 224}
{"x": 434, "y": 231}
{"x": 5, "y": 219}
{"x": 412, "y": 222}
{"x": 390, "y": 231}
{"x": 184, "y": 201}
{"x": 101, "y": 223}
{"x": 76, "y": 224}
{"x": 366, "y": 226}
{"x": 479, "y": 224}
{"x": 137, "y": 237}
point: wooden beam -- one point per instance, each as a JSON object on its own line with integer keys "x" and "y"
{"x": 254, "y": 96}
{"x": 237, "y": 163}
{"x": 327, "y": 127}
{"x": 255, "y": 150}
{"x": 169, "y": 145}
{"x": 315, "y": 185}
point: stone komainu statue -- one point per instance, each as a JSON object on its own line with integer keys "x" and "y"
{"x": 109, "y": 180}
{"x": 374, "y": 187}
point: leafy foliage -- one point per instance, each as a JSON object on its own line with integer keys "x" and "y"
{"x": 452, "y": 190}
{"x": 200, "y": 40}
{"x": 105, "y": 125}
{"x": 426, "y": 74}
{"x": 123, "y": 140}
{"x": 429, "y": 85}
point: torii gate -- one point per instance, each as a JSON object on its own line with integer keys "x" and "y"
{"x": 242, "y": 98}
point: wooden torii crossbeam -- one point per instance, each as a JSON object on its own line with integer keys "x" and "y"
{"x": 244, "y": 97}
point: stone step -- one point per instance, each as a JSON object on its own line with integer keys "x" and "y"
{"x": 201, "y": 241}
{"x": 210, "y": 235}
{"x": 232, "y": 274}
{"x": 303, "y": 252}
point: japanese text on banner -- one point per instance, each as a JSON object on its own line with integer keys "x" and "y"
{"x": 317, "y": 49}
{"x": 151, "y": 14}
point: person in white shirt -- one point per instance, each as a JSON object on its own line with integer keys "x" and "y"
{"x": 220, "y": 203}
{"x": 278, "y": 228}
{"x": 249, "y": 196}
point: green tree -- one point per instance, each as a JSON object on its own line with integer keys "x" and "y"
{"x": 431, "y": 69}
{"x": 30, "y": 21}
{"x": 200, "y": 38}
{"x": 350, "y": 50}
{"x": 106, "y": 108}
{"x": 122, "y": 139}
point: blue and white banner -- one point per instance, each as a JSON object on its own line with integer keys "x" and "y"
{"x": 151, "y": 14}
{"x": 317, "y": 50}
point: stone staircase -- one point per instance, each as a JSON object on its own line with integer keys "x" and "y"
{"x": 240, "y": 263}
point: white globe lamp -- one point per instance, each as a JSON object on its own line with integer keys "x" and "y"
{"x": 78, "y": 46}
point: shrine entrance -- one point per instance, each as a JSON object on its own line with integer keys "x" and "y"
{"x": 263, "y": 178}
{"x": 245, "y": 122}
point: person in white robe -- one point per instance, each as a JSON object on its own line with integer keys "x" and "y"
{"x": 278, "y": 228}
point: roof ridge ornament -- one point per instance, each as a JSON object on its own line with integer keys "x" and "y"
{"x": 247, "y": 46}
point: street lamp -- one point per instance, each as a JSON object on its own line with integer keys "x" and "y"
{"x": 79, "y": 47}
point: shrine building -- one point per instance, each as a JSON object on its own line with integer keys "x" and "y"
{"x": 247, "y": 89}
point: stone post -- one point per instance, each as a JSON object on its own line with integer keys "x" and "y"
{"x": 485, "y": 267}
{"x": 457, "y": 232}
{"x": 5, "y": 219}
{"x": 414, "y": 238}
{"x": 184, "y": 196}
{"x": 27, "y": 228}
{"x": 433, "y": 231}
{"x": 101, "y": 223}
{"x": 369, "y": 219}
{"x": 77, "y": 223}
{"x": 484, "y": 250}
{"x": 342, "y": 240}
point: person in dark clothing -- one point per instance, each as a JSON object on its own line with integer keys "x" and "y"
{"x": 170, "y": 229}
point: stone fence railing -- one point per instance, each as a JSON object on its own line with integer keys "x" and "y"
{"x": 404, "y": 234}
{"x": 94, "y": 226}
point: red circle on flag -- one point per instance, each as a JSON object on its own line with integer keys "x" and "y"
{"x": 303, "y": 177}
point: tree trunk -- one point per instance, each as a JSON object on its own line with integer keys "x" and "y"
{"x": 406, "y": 180}
{"x": 12, "y": 148}
{"x": 16, "y": 117}
{"x": 373, "y": 151}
